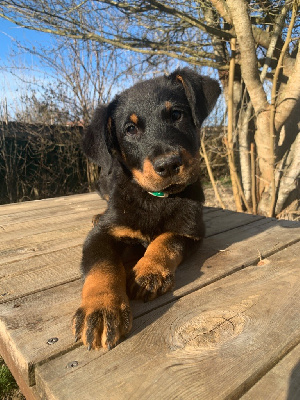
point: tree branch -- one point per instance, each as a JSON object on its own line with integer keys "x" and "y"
{"x": 210, "y": 173}
{"x": 242, "y": 23}
{"x": 221, "y": 7}
{"x": 290, "y": 97}
{"x": 273, "y": 109}
{"x": 289, "y": 180}
{"x": 253, "y": 178}
{"x": 138, "y": 46}
{"x": 192, "y": 21}
{"x": 278, "y": 26}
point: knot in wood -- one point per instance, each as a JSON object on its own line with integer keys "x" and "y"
{"x": 209, "y": 330}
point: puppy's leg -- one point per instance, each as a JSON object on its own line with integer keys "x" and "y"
{"x": 154, "y": 274}
{"x": 104, "y": 315}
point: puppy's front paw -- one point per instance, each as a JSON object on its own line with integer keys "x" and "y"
{"x": 102, "y": 320}
{"x": 149, "y": 280}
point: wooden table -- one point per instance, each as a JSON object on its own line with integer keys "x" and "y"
{"x": 230, "y": 329}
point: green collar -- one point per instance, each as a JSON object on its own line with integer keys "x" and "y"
{"x": 159, "y": 194}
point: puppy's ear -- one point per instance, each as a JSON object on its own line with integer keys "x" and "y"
{"x": 202, "y": 92}
{"x": 99, "y": 136}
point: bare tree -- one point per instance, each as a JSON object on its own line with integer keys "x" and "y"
{"x": 75, "y": 76}
{"x": 70, "y": 80}
{"x": 249, "y": 43}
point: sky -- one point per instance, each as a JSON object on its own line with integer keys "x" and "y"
{"x": 10, "y": 32}
{"x": 10, "y": 86}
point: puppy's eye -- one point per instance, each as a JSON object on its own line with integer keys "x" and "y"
{"x": 131, "y": 130}
{"x": 176, "y": 115}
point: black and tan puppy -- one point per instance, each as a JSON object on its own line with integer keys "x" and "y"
{"x": 146, "y": 142}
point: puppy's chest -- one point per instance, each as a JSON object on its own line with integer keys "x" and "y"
{"x": 148, "y": 217}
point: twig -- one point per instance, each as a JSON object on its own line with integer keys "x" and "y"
{"x": 253, "y": 186}
{"x": 237, "y": 182}
{"x": 210, "y": 173}
{"x": 229, "y": 140}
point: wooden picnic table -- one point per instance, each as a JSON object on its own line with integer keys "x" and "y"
{"x": 230, "y": 329}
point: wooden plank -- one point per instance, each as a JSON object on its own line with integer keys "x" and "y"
{"x": 13, "y": 208}
{"x": 46, "y": 229}
{"x": 224, "y": 220}
{"x": 27, "y": 391}
{"x": 281, "y": 383}
{"x": 42, "y": 235}
{"x": 28, "y": 322}
{"x": 33, "y": 275}
{"x": 43, "y": 242}
{"x": 234, "y": 250}
{"x": 15, "y": 232}
{"x": 34, "y": 218}
{"x": 48, "y": 255}
{"x": 45, "y": 270}
{"x": 30, "y": 209}
{"x": 212, "y": 344}
{"x": 43, "y": 222}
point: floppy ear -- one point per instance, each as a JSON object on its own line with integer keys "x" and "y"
{"x": 202, "y": 92}
{"x": 98, "y": 137}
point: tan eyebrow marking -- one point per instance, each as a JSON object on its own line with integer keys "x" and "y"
{"x": 134, "y": 119}
{"x": 168, "y": 105}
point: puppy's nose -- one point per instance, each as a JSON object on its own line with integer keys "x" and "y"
{"x": 168, "y": 165}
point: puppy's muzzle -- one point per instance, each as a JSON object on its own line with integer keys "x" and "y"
{"x": 168, "y": 165}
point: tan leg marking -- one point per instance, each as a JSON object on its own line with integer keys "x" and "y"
{"x": 104, "y": 315}
{"x": 120, "y": 232}
{"x": 154, "y": 273}
{"x": 160, "y": 257}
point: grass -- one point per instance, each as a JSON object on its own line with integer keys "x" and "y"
{"x": 8, "y": 386}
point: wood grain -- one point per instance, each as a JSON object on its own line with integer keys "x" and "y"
{"x": 49, "y": 255}
{"x": 229, "y": 220}
{"x": 281, "y": 383}
{"x": 40, "y": 250}
{"x": 35, "y": 215}
{"x": 27, "y": 322}
{"x": 214, "y": 343}
{"x": 15, "y": 208}
{"x": 45, "y": 226}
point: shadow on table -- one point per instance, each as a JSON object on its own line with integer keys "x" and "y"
{"x": 225, "y": 251}
{"x": 294, "y": 384}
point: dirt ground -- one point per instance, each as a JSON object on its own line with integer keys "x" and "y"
{"x": 225, "y": 194}
{"x": 291, "y": 213}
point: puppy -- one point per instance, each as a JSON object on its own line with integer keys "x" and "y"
{"x": 146, "y": 142}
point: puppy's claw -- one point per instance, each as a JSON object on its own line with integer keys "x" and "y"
{"x": 102, "y": 327}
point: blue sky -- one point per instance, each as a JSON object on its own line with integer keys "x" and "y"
{"x": 7, "y": 32}
{"x": 11, "y": 87}
{"x": 10, "y": 32}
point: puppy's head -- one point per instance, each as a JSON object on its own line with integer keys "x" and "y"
{"x": 153, "y": 129}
